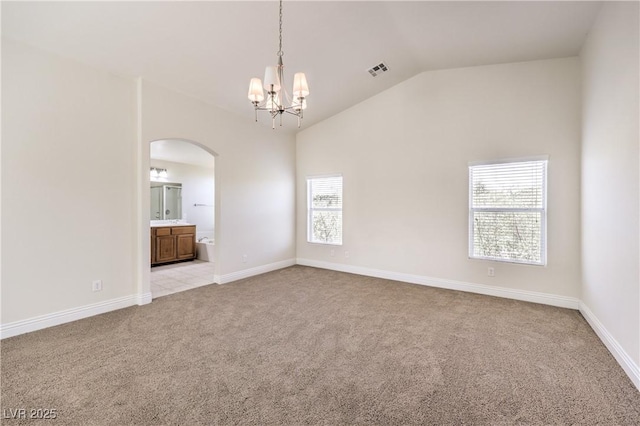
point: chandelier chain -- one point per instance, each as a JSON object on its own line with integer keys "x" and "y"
{"x": 280, "y": 52}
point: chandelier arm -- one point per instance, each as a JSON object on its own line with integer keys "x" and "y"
{"x": 288, "y": 109}
{"x": 292, "y": 111}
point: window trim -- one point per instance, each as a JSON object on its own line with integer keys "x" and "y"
{"x": 543, "y": 210}
{"x": 310, "y": 209}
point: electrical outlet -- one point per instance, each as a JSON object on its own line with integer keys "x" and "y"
{"x": 346, "y": 254}
{"x": 244, "y": 258}
{"x": 332, "y": 253}
{"x": 96, "y": 285}
{"x": 491, "y": 272}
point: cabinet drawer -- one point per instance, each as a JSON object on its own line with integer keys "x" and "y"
{"x": 183, "y": 230}
{"x": 163, "y": 231}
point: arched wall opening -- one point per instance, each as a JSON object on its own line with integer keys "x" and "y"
{"x": 184, "y": 165}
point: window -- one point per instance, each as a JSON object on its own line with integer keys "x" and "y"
{"x": 507, "y": 211}
{"x": 324, "y": 208}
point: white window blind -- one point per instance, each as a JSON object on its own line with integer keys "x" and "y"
{"x": 507, "y": 211}
{"x": 324, "y": 207}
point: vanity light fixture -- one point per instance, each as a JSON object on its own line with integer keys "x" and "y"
{"x": 278, "y": 100}
{"x": 156, "y": 173}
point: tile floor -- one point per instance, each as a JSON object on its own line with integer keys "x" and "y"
{"x": 169, "y": 279}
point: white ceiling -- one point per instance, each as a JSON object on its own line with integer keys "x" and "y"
{"x": 211, "y": 49}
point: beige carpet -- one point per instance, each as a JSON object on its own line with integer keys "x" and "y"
{"x": 308, "y": 346}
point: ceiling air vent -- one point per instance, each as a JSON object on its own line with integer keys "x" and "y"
{"x": 378, "y": 69}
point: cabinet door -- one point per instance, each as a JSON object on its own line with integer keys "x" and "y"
{"x": 165, "y": 248}
{"x": 186, "y": 246}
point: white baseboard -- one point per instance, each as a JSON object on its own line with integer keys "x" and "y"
{"x": 508, "y": 293}
{"x": 626, "y": 362}
{"x": 143, "y": 299}
{"x": 246, "y": 273}
{"x": 68, "y": 315}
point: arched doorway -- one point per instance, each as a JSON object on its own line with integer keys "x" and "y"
{"x": 182, "y": 198}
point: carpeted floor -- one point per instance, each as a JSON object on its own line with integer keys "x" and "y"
{"x": 309, "y": 346}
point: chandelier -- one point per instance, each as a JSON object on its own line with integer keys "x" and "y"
{"x": 278, "y": 100}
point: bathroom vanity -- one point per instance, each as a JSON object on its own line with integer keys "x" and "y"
{"x": 172, "y": 243}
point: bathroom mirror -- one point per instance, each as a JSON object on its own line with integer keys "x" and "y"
{"x": 166, "y": 201}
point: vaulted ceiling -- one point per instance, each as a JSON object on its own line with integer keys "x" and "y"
{"x": 211, "y": 49}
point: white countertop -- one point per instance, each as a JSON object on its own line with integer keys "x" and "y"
{"x": 157, "y": 223}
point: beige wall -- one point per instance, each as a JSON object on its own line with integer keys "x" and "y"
{"x": 68, "y": 134}
{"x": 611, "y": 176}
{"x": 255, "y": 176}
{"x": 404, "y": 157}
{"x": 75, "y": 186}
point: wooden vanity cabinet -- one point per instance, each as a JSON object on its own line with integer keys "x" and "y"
{"x": 172, "y": 243}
